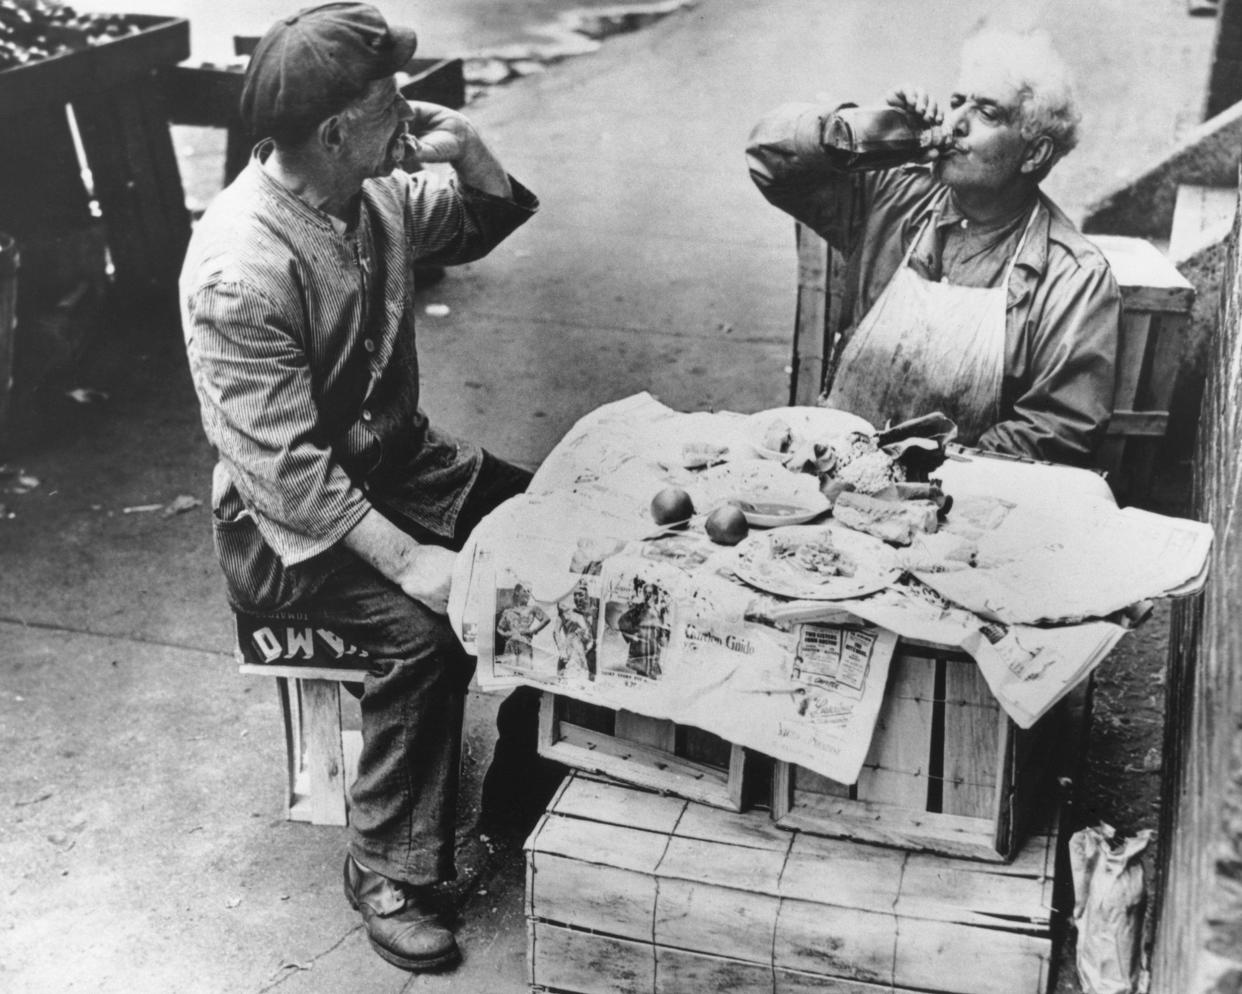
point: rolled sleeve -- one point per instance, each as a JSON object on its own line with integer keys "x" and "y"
{"x": 450, "y": 222}
{"x": 257, "y": 399}
{"x": 1071, "y": 350}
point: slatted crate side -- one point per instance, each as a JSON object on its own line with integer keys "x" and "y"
{"x": 638, "y": 750}
{"x": 976, "y": 790}
{"x": 564, "y": 959}
{"x": 711, "y": 914}
{"x": 897, "y": 769}
{"x": 974, "y": 730}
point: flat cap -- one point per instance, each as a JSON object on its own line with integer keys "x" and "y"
{"x": 314, "y": 63}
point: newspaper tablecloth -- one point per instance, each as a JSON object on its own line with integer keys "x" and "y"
{"x": 565, "y": 588}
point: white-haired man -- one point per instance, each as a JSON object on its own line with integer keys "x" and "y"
{"x": 968, "y": 290}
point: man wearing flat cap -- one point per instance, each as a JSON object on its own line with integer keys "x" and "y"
{"x": 334, "y": 499}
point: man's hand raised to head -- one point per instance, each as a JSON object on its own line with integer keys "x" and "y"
{"x": 440, "y": 134}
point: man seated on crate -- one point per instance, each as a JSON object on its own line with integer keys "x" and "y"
{"x": 334, "y": 499}
{"x": 967, "y": 289}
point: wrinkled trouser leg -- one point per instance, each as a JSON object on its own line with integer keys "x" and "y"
{"x": 404, "y": 800}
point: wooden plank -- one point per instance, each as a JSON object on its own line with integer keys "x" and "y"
{"x": 1131, "y": 354}
{"x": 896, "y": 769}
{"x": 59, "y": 80}
{"x": 721, "y": 921}
{"x": 810, "y": 337}
{"x": 843, "y": 873}
{"x": 943, "y": 957}
{"x": 971, "y": 717}
{"x": 837, "y": 941}
{"x": 1148, "y": 280}
{"x": 1202, "y": 215}
{"x": 128, "y": 146}
{"x": 351, "y": 749}
{"x": 963, "y": 892}
{"x": 703, "y": 747}
{"x": 600, "y": 844}
{"x": 734, "y": 828}
{"x": 655, "y": 732}
{"x": 617, "y": 804}
{"x": 568, "y": 960}
{"x": 719, "y": 863}
{"x": 891, "y": 825}
{"x": 291, "y": 715}
{"x": 325, "y": 760}
{"x": 641, "y": 765}
{"x": 680, "y": 971}
{"x": 335, "y": 673}
{"x": 1005, "y": 834}
{"x": 597, "y": 896}
{"x": 813, "y": 783}
{"x": 796, "y": 982}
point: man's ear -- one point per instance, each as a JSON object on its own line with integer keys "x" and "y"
{"x": 1038, "y": 155}
{"x": 331, "y": 134}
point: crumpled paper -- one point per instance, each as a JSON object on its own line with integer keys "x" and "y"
{"x": 1109, "y": 905}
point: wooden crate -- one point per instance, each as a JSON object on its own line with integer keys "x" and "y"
{"x": 629, "y": 891}
{"x": 649, "y": 752}
{"x": 1156, "y": 301}
{"x": 947, "y": 772}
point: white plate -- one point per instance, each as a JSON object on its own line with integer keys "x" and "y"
{"x": 876, "y": 565}
{"x": 806, "y": 424}
{"x": 764, "y": 512}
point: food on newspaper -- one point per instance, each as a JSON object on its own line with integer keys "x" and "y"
{"x": 815, "y": 562}
{"x": 892, "y": 521}
{"x": 701, "y": 455}
{"x": 670, "y": 506}
{"x": 777, "y": 436}
{"x": 815, "y": 554}
{"x": 727, "y": 525}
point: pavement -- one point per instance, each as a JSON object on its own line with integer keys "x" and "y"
{"x": 143, "y": 847}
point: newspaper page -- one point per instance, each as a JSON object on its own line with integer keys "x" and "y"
{"x": 654, "y": 628}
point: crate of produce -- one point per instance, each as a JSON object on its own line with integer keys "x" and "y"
{"x": 629, "y": 891}
{"x": 948, "y": 772}
{"x": 649, "y": 752}
{"x": 66, "y": 58}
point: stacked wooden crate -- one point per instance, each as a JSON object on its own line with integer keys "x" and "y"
{"x": 629, "y": 891}
{"x": 633, "y": 891}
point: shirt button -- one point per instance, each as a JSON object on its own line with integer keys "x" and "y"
{"x": 366, "y": 414}
{"x": 368, "y": 344}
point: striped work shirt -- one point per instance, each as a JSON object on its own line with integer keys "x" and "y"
{"x": 301, "y": 345}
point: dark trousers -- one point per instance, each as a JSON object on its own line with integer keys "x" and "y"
{"x": 412, "y": 701}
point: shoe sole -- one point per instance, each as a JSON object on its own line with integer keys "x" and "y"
{"x": 424, "y": 965}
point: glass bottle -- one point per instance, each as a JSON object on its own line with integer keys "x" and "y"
{"x": 857, "y": 139}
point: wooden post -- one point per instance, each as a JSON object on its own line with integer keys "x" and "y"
{"x": 129, "y": 150}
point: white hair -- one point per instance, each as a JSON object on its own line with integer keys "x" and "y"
{"x": 1045, "y": 87}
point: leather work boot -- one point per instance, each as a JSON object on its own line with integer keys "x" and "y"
{"x": 400, "y": 920}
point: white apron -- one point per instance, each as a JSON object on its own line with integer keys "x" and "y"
{"x": 927, "y": 347}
